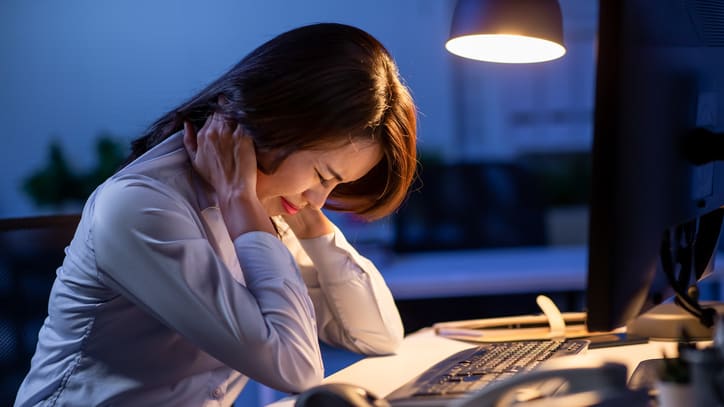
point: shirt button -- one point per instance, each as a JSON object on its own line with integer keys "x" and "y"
{"x": 217, "y": 393}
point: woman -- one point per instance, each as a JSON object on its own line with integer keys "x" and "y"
{"x": 207, "y": 260}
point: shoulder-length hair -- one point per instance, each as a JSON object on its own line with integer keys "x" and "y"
{"x": 315, "y": 87}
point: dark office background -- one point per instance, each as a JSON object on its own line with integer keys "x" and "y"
{"x": 504, "y": 149}
{"x": 77, "y": 72}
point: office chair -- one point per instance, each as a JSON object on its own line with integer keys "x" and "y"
{"x": 31, "y": 249}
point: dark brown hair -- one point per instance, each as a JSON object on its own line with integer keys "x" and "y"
{"x": 315, "y": 87}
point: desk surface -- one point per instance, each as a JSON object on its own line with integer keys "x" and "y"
{"x": 422, "y": 349}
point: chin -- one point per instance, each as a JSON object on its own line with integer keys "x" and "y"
{"x": 273, "y": 211}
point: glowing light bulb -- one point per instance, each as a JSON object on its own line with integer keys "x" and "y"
{"x": 505, "y": 48}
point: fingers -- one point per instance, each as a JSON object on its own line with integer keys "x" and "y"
{"x": 190, "y": 140}
{"x": 205, "y": 138}
{"x": 216, "y": 130}
{"x": 243, "y": 147}
{"x": 191, "y": 137}
{"x": 223, "y": 155}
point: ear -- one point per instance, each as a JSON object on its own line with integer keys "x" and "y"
{"x": 221, "y": 100}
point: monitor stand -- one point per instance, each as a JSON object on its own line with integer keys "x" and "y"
{"x": 664, "y": 322}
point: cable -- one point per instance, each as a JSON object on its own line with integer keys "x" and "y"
{"x": 683, "y": 254}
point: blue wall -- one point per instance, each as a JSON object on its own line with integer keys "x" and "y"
{"x": 70, "y": 70}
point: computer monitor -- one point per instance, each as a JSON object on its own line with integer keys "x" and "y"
{"x": 657, "y": 182}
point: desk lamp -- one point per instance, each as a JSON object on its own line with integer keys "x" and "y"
{"x": 508, "y": 31}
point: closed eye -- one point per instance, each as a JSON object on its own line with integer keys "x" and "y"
{"x": 322, "y": 181}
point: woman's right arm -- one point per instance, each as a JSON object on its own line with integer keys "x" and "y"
{"x": 150, "y": 247}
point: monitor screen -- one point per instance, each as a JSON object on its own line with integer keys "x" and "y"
{"x": 656, "y": 181}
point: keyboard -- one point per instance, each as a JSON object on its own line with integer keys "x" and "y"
{"x": 472, "y": 369}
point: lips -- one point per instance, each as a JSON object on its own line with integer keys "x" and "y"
{"x": 291, "y": 209}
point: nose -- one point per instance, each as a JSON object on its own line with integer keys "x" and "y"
{"x": 317, "y": 196}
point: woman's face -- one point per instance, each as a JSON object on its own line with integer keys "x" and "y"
{"x": 306, "y": 177}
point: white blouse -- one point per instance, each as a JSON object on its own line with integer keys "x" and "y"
{"x": 155, "y": 305}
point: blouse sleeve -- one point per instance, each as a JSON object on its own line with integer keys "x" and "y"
{"x": 354, "y": 307}
{"x": 151, "y": 247}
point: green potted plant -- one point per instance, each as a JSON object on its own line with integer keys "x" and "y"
{"x": 674, "y": 380}
{"x": 60, "y": 187}
{"x": 674, "y": 370}
{"x": 61, "y": 190}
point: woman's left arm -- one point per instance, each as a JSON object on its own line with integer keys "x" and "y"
{"x": 355, "y": 308}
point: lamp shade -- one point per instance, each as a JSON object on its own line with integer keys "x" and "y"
{"x": 513, "y": 31}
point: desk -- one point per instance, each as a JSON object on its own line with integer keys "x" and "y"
{"x": 477, "y": 272}
{"x": 422, "y": 349}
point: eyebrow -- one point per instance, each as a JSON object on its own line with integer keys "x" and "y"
{"x": 334, "y": 173}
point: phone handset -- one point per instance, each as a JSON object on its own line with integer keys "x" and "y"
{"x": 593, "y": 385}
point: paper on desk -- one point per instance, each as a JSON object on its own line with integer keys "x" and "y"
{"x": 516, "y": 328}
